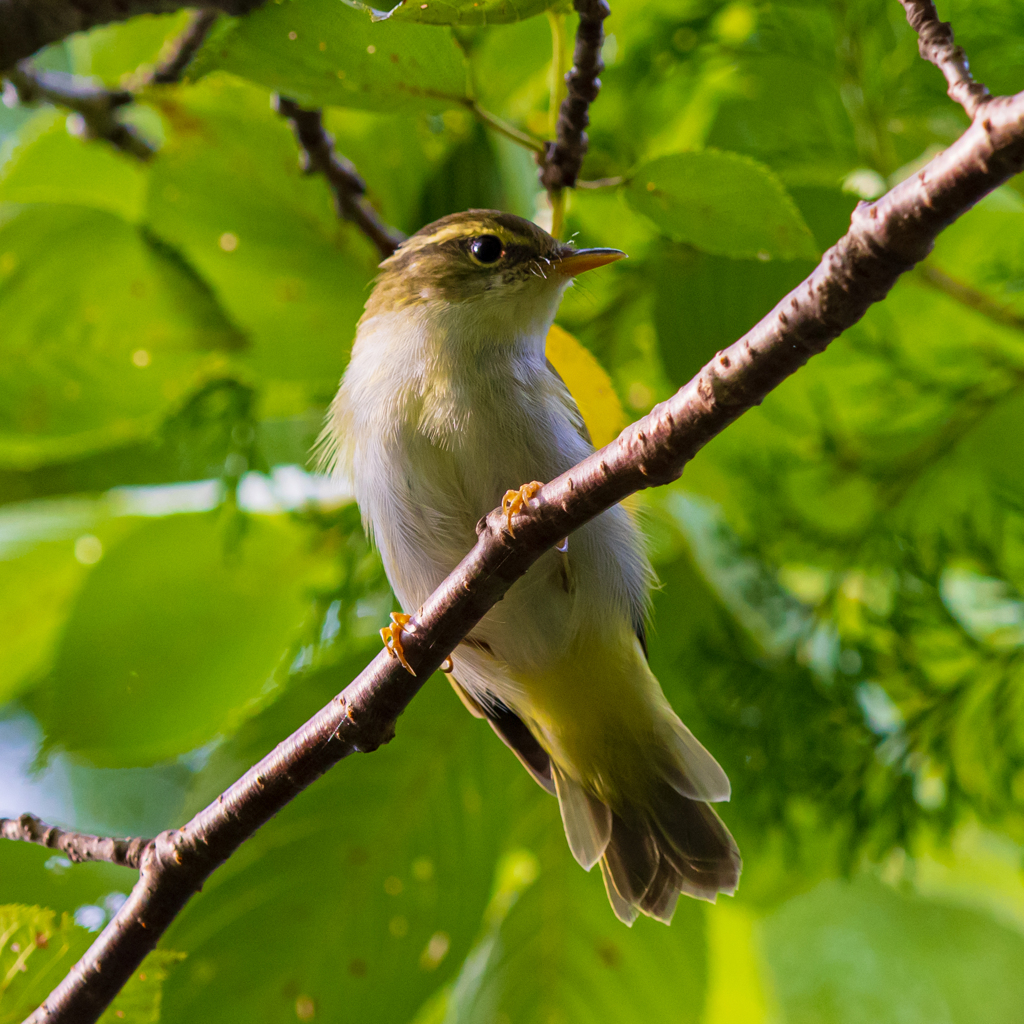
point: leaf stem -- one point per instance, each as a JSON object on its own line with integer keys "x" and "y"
{"x": 504, "y": 128}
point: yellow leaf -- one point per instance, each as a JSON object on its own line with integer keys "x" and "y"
{"x": 589, "y": 384}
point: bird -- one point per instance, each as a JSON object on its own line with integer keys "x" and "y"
{"x": 448, "y": 403}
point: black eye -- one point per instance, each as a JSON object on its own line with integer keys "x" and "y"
{"x": 486, "y": 249}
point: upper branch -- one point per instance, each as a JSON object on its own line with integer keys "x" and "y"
{"x": 561, "y": 162}
{"x": 97, "y": 107}
{"x": 28, "y": 25}
{"x": 78, "y": 846}
{"x": 319, "y": 156}
{"x": 886, "y": 238}
{"x": 936, "y": 45}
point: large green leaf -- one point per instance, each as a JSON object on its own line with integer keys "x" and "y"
{"x": 175, "y": 632}
{"x": 228, "y": 192}
{"x": 847, "y": 954}
{"x": 723, "y": 203}
{"x": 323, "y": 52}
{"x": 103, "y": 331}
{"x": 562, "y": 955}
{"x": 49, "y": 165}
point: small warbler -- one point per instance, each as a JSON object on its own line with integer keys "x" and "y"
{"x": 447, "y": 402}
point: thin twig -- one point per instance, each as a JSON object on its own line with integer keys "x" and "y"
{"x": 28, "y": 25}
{"x": 504, "y": 128}
{"x": 971, "y": 297}
{"x": 181, "y": 51}
{"x": 77, "y": 846}
{"x": 319, "y": 157}
{"x": 886, "y": 238}
{"x": 96, "y": 106}
{"x": 619, "y": 179}
{"x": 562, "y": 159}
{"x": 936, "y": 44}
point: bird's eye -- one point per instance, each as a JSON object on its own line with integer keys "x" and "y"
{"x": 486, "y": 249}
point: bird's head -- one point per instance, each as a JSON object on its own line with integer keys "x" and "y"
{"x": 484, "y": 265}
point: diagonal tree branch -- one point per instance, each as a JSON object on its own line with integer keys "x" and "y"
{"x": 562, "y": 159}
{"x": 27, "y": 828}
{"x": 886, "y": 238}
{"x": 28, "y": 25}
{"x": 319, "y": 157}
{"x": 935, "y": 42}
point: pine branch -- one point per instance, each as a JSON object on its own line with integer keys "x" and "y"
{"x": 936, "y": 44}
{"x": 28, "y": 25}
{"x": 77, "y": 846}
{"x": 886, "y": 239}
{"x": 319, "y": 157}
{"x": 562, "y": 159}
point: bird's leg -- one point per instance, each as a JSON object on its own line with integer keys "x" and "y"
{"x": 392, "y": 637}
{"x": 515, "y": 501}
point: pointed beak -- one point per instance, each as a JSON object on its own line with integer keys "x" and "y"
{"x": 580, "y": 260}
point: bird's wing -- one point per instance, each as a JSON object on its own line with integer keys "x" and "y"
{"x": 513, "y": 733}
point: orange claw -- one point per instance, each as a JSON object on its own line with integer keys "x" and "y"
{"x": 392, "y": 637}
{"x": 448, "y": 665}
{"x": 515, "y": 501}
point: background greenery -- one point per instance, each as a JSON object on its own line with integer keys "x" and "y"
{"x": 841, "y": 618}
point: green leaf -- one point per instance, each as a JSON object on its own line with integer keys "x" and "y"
{"x": 114, "y": 53}
{"x": 850, "y": 953}
{"x": 174, "y": 634}
{"x": 103, "y": 331}
{"x": 561, "y": 955}
{"x": 49, "y": 165}
{"x": 723, "y": 203}
{"x": 36, "y": 952}
{"x": 704, "y": 303}
{"x": 322, "y": 52}
{"x": 461, "y": 12}
{"x": 227, "y": 191}
{"x": 38, "y": 585}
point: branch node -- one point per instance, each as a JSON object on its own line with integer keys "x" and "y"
{"x": 936, "y": 44}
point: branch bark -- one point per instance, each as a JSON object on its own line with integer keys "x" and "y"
{"x": 886, "y": 238}
{"x": 184, "y": 48}
{"x": 562, "y": 159}
{"x": 77, "y": 846}
{"x": 97, "y": 107}
{"x": 319, "y": 157}
{"x": 935, "y": 43}
{"x": 28, "y": 25}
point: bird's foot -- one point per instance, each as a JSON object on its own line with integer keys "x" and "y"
{"x": 515, "y": 501}
{"x": 392, "y": 637}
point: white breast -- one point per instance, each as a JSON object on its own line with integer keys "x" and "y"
{"x": 434, "y": 422}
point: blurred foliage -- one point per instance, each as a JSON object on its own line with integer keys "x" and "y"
{"x": 841, "y": 616}
{"x": 36, "y": 951}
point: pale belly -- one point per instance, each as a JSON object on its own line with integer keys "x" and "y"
{"x": 423, "y": 497}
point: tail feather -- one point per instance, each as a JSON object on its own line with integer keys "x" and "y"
{"x": 679, "y": 846}
{"x": 587, "y": 821}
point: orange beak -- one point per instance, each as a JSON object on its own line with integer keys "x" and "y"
{"x": 587, "y": 259}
